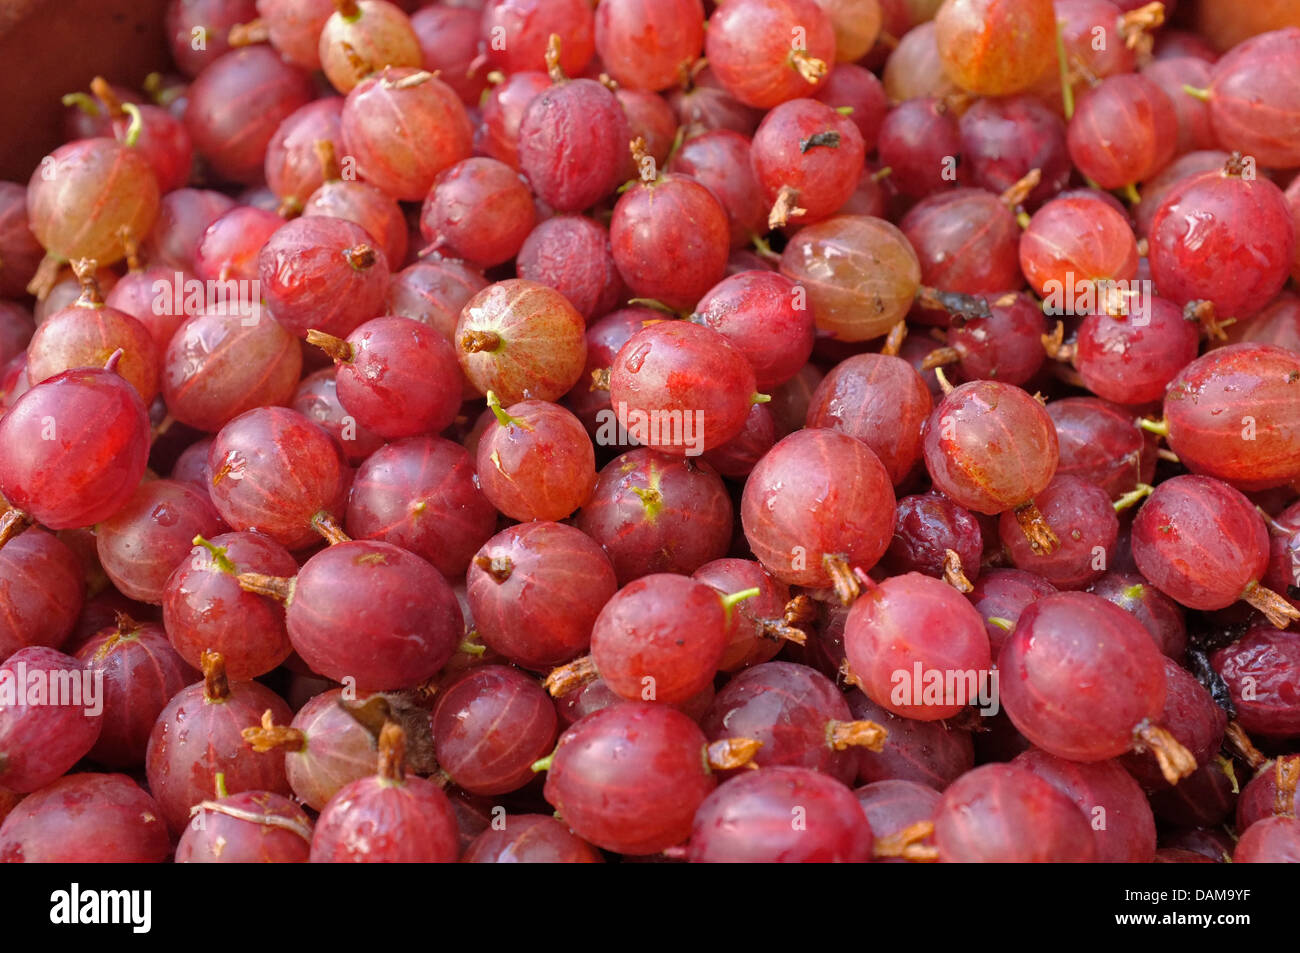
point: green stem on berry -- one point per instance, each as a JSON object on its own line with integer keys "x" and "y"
{"x": 1006, "y": 625}
{"x": 1135, "y": 591}
{"x": 219, "y": 785}
{"x": 1063, "y": 67}
{"x": 1131, "y": 193}
{"x": 503, "y": 418}
{"x": 1158, "y": 427}
{"x": 1202, "y": 94}
{"x": 737, "y": 597}
{"x": 219, "y": 558}
{"x": 543, "y": 764}
{"x": 1135, "y": 495}
{"x": 83, "y": 101}
{"x": 472, "y": 648}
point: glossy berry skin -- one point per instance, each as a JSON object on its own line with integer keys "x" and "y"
{"x": 1200, "y": 542}
{"x": 479, "y": 210}
{"x": 367, "y": 206}
{"x": 204, "y": 607}
{"x": 86, "y": 335}
{"x": 96, "y": 459}
{"x": 817, "y": 494}
{"x": 252, "y": 827}
{"x": 335, "y": 750}
{"x": 141, "y": 672}
{"x": 648, "y": 45}
{"x": 378, "y": 33}
{"x": 882, "y": 637}
{"x": 880, "y": 400}
{"x": 630, "y": 777}
{"x": 1124, "y": 130}
{"x": 681, "y": 388}
{"x": 1005, "y": 594}
{"x": 1081, "y": 515}
{"x": 1239, "y": 252}
{"x": 919, "y": 142}
{"x": 42, "y": 732}
{"x": 1131, "y": 358}
{"x": 670, "y": 239}
{"x": 1120, "y": 817}
{"x": 539, "y": 466}
{"x": 401, "y": 378}
{"x": 892, "y": 806}
{"x": 995, "y": 47}
{"x": 573, "y": 143}
{"x": 317, "y": 399}
{"x": 929, "y": 753}
{"x": 1261, "y": 796}
{"x": 748, "y": 640}
{"x": 293, "y": 170}
{"x": 140, "y": 544}
{"x": 792, "y": 710}
{"x": 861, "y": 273}
{"x": 373, "y": 612}
{"x": 489, "y": 726}
{"x": 807, "y": 146}
{"x": 80, "y": 200}
{"x": 229, "y": 246}
{"x": 1260, "y": 672}
{"x": 1079, "y": 676}
{"x": 966, "y": 240}
{"x": 1234, "y": 414}
{"x": 571, "y": 254}
{"x": 423, "y": 495}
{"x": 375, "y": 820}
{"x": 720, "y": 160}
{"x": 748, "y": 46}
{"x": 927, "y": 526}
{"x": 990, "y": 447}
{"x": 1253, "y": 107}
{"x": 403, "y": 129}
{"x": 274, "y": 471}
{"x": 1003, "y": 139}
{"x": 1004, "y": 813}
{"x": 1272, "y": 841}
{"x": 747, "y": 820}
{"x": 196, "y": 738}
{"x": 42, "y": 588}
{"x": 660, "y": 638}
{"x": 534, "y": 591}
{"x": 1073, "y": 241}
{"x": 530, "y": 839}
{"x": 765, "y": 315}
{"x": 218, "y": 366}
{"x": 654, "y": 513}
{"x": 1102, "y": 443}
{"x": 323, "y": 274}
{"x": 503, "y": 110}
{"x": 433, "y": 292}
{"x": 1192, "y": 716}
{"x": 183, "y": 216}
{"x": 532, "y": 341}
{"x": 1163, "y": 617}
{"x": 1006, "y": 346}
{"x": 236, "y": 105}
{"x": 86, "y": 818}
